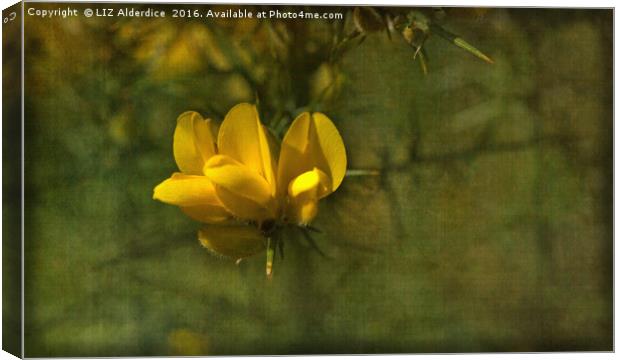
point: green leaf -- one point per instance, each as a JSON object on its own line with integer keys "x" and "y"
{"x": 460, "y": 42}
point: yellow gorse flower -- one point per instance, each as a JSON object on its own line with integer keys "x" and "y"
{"x": 238, "y": 175}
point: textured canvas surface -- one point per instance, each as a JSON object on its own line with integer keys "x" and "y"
{"x": 487, "y": 227}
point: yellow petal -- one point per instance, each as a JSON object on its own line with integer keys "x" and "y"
{"x": 312, "y": 141}
{"x": 314, "y": 182}
{"x": 242, "y": 137}
{"x": 304, "y": 193}
{"x": 273, "y": 143}
{"x": 186, "y": 190}
{"x": 302, "y": 212}
{"x": 211, "y": 214}
{"x": 241, "y": 190}
{"x": 194, "y": 142}
{"x": 235, "y": 241}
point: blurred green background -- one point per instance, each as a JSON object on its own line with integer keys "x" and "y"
{"x": 489, "y": 227}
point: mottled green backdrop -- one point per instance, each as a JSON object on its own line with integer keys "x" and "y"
{"x": 488, "y": 228}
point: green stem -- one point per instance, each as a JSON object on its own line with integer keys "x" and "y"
{"x": 362, "y": 172}
{"x": 271, "y": 249}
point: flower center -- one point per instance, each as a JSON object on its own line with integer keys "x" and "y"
{"x": 267, "y": 227}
